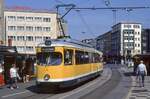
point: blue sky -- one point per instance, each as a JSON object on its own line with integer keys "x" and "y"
{"x": 91, "y": 23}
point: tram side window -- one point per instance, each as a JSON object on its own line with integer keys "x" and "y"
{"x": 68, "y": 57}
{"x": 81, "y": 57}
{"x": 96, "y": 58}
{"x": 92, "y": 58}
{"x": 86, "y": 57}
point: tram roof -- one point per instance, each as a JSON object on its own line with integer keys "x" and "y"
{"x": 68, "y": 43}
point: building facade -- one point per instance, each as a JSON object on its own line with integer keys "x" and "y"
{"x": 2, "y": 35}
{"x": 122, "y": 42}
{"x": 26, "y": 28}
{"x": 103, "y": 43}
{"x": 126, "y": 39}
{"x": 145, "y": 41}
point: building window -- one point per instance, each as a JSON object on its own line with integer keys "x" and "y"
{"x": 138, "y": 45}
{"x": 136, "y": 26}
{"x": 20, "y": 18}
{"x": 144, "y": 44}
{"x": 29, "y": 38}
{"x": 11, "y": 18}
{"x": 38, "y": 19}
{"x": 29, "y": 28}
{"x": 20, "y": 28}
{"x": 127, "y": 26}
{"x": 144, "y": 38}
{"x": 12, "y": 28}
{"x": 20, "y": 38}
{"x": 38, "y": 38}
{"x": 38, "y": 28}
{"x": 29, "y": 18}
{"x": 46, "y": 19}
{"x": 47, "y": 29}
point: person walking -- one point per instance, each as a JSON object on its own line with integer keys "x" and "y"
{"x": 13, "y": 77}
{"x": 142, "y": 72}
{"x": 23, "y": 74}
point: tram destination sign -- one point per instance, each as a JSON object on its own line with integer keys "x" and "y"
{"x": 48, "y": 49}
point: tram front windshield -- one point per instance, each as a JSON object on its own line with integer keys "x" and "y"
{"x": 49, "y": 58}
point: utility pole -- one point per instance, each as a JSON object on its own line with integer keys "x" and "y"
{"x": 2, "y": 34}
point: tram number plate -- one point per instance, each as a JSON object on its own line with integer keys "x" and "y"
{"x": 48, "y": 49}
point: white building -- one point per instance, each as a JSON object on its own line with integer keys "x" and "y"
{"x": 2, "y": 36}
{"x": 126, "y": 38}
{"x": 26, "y": 28}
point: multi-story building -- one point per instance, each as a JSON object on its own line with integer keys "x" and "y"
{"x": 103, "y": 43}
{"x": 123, "y": 41}
{"x": 26, "y": 28}
{"x": 2, "y": 35}
{"x": 126, "y": 39}
{"x": 145, "y": 41}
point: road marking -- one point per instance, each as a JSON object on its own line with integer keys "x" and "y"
{"x": 9, "y": 95}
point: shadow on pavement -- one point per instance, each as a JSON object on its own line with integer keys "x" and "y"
{"x": 128, "y": 74}
{"x": 54, "y": 89}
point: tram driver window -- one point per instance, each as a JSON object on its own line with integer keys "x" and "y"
{"x": 68, "y": 57}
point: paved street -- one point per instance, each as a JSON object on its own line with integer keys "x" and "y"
{"x": 30, "y": 91}
{"x": 116, "y": 81}
{"x": 117, "y": 87}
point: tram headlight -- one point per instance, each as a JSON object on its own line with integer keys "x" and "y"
{"x": 47, "y": 77}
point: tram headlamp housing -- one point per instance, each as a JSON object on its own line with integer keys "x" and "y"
{"x": 47, "y": 77}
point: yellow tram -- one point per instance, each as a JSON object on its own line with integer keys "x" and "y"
{"x": 66, "y": 62}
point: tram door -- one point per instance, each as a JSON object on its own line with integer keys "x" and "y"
{"x": 8, "y": 61}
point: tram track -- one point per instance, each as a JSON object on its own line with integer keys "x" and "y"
{"x": 102, "y": 91}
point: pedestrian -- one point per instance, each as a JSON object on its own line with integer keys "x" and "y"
{"x": 13, "y": 77}
{"x": 23, "y": 74}
{"x": 1, "y": 76}
{"x": 142, "y": 72}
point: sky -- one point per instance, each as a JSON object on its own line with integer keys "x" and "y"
{"x": 84, "y": 24}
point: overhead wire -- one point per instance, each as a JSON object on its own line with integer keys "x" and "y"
{"x": 89, "y": 30}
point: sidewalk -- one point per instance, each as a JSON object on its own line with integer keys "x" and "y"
{"x": 137, "y": 92}
{"x": 22, "y": 86}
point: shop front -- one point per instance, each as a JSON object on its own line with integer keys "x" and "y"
{"x": 7, "y": 58}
